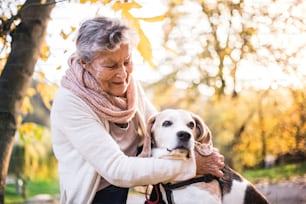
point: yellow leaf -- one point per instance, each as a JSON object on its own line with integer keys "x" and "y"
{"x": 47, "y": 93}
{"x": 251, "y": 31}
{"x": 145, "y": 49}
{"x": 41, "y": 76}
{"x": 59, "y": 67}
{"x": 45, "y": 51}
{"x": 153, "y": 19}
{"x": 27, "y": 130}
{"x": 19, "y": 120}
{"x": 106, "y": 1}
{"x": 178, "y": 1}
{"x": 126, "y": 6}
{"x": 64, "y": 35}
{"x": 26, "y": 106}
{"x": 31, "y": 92}
{"x": 117, "y": 6}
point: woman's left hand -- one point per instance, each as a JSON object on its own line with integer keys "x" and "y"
{"x": 211, "y": 164}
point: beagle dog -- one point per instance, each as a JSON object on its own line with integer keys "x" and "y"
{"x": 177, "y": 134}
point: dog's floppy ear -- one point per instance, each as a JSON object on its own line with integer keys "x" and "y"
{"x": 146, "y": 149}
{"x": 203, "y": 140}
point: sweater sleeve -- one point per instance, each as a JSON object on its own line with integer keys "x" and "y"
{"x": 87, "y": 136}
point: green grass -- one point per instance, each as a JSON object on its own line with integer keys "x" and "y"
{"x": 11, "y": 196}
{"x": 33, "y": 188}
{"x": 43, "y": 187}
{"x": 276, "y": 173}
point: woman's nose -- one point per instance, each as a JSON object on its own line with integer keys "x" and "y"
{"x": 122, "y": 72}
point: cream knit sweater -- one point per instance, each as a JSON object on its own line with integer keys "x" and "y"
{"x": 86, "y": 152}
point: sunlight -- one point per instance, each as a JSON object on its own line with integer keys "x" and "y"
{"x": 249, "y": 73}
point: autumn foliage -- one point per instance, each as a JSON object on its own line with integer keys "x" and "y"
{"x": 205, "y": 73}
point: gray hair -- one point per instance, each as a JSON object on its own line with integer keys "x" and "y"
{"x": 101, "y": 34}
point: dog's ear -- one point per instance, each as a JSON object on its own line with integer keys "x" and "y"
{"x": 203, "y": 139}
{"x": 146, "y": 149}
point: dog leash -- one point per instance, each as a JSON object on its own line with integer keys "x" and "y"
{"x": 169, "y": 187}
{"x": 148, "y": 201}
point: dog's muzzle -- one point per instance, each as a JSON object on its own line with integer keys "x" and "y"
{"x": 183, "y": 144}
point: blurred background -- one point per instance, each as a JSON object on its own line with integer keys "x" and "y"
{"x": 238, "y": 64}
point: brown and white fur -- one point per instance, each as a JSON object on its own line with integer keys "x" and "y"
{"x": 176, "y": 134}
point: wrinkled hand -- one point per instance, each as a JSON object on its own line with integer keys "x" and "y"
{"x": 211, "y": 164}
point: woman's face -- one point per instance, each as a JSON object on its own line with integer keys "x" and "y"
{"x": 112, "y": 70}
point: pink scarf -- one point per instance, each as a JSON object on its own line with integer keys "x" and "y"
{"x": 112, "y": 108}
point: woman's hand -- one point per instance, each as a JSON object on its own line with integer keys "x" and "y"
{"x": 211, "y": 164}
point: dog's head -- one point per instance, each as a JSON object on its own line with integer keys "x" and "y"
{"x": 174, "y": 134}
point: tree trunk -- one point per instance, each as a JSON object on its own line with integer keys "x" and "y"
{"x": 27, "y": 40}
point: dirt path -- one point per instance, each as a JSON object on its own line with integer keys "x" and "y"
{"x": 285, "y": 192}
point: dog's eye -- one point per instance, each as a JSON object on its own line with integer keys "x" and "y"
{"x": 191, "y": 125}
{"x": 167, "y": 123}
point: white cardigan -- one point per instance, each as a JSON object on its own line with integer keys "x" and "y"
{"x": 85, "y": 151}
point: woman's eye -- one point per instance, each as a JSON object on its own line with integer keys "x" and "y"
{"x": 191, "y": 125}
{"x": 167, "y": 123}
{"x": 112, "y": 66}
{"x": 127, "y": 63}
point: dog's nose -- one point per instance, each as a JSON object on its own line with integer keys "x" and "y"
{"x": 183, "y": 136}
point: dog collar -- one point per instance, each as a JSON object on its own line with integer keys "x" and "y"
{"x": 169, "y": 187}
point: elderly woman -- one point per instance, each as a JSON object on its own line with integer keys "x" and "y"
{"x": 97, "y": 118}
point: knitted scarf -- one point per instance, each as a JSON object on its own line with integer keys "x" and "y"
{"x": 83, "y": 84}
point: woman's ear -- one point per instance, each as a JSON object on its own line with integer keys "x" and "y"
{"x": 146, "y": 150}
{"x": 203, "y": 138}
{"x": 84, "y": 64}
